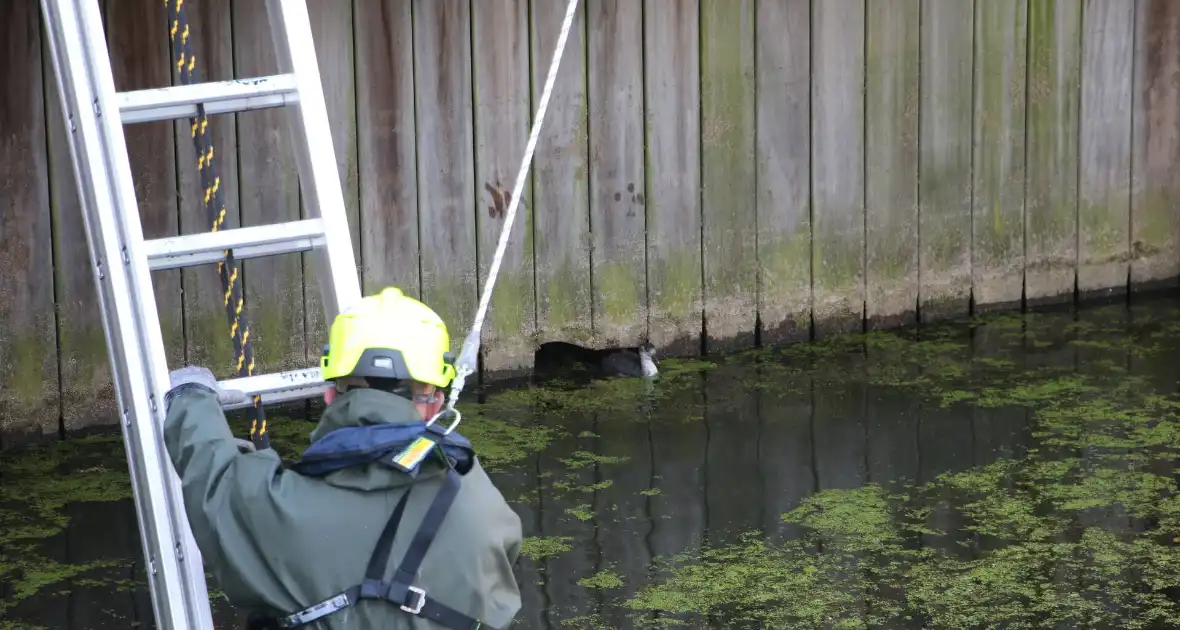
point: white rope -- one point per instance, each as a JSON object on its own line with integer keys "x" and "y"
{"x": 466, "y": 364}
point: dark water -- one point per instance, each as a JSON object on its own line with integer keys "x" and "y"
{"x": 1014, "y": 471}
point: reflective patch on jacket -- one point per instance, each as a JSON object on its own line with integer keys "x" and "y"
{"x": 347, "y": 447}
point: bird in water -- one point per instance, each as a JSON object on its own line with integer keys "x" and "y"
{"x": 559, "y": 356}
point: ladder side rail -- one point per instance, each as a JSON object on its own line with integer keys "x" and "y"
{"x": 119, "y": 292}
{"x": 311, "y": 136}
{"x": 163, "y": 577}
{"x": 105, "y": 286}
{"x": 146, "y": 318}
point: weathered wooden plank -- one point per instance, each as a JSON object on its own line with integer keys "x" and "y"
{"x": 891, "y": 163}
{"x": 207, "y": 331}
{"x": 728, "y": 173}
{"x": 560, "y": 182}
{"x": 29, "y": 402}
{"x": 1155, "y": 145}
{"x": 501, "y": 74}
{"x": 332, "y": 32}
{"x": 1051, "y": 195}
{"x": 783, "y": 155}
{"x": 87, "y": 393}
{"x": 388, "y": 223}
{"x": 446, "y": 176}
{"x": 997, "y": 199}
{"x": 1105, "y": 170}
{"x": 268, "y": 186}
{"x": 137, "y": 35}
{"x": 837, "y": 166}
{"x": 617, "y": 192}
{"x": 944, "y": 162}
{"x": 672, "y": 114}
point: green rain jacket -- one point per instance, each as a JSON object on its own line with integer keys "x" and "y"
{"x": 277, "y": 542}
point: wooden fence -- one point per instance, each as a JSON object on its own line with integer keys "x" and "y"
{"x": 709, "y": 169}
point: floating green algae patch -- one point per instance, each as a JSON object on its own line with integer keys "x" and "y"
{"x": 541, "y": 547}
{"x": 39, "y": 483}
{"x": 1078, "y": 532}
{"x": 602, "y": 580}
{"x": 1082, "y": 532}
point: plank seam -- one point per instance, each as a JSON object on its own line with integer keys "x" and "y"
{"x": 53, "y": 244}
{"x": 1028, "y": 44}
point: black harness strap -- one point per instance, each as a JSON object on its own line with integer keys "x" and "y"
{"x": 401, "y": 589}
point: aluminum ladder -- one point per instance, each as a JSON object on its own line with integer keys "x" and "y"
{"x": 94, "y": 113}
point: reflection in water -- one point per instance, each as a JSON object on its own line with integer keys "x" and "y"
{"x": 1013, "y": 471}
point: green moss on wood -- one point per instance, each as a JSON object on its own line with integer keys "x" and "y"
{"x": 209, "y": 342}
{"x": 510, "y": 329}
{"x": 999, "y": 137}
{"x": 1103, "y": 233}
{"x": 1154, "y": 231}
{"x": 564, "y": 298}
{"x": 728, "y": 166}
{"x": 622, "y": 291}
{"x": 276, "y": 328}
{"x": 838, "y": 274}
{"x": 1054, "y": 56}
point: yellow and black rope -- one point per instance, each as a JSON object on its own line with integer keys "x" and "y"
{"x": 231, "y": 280}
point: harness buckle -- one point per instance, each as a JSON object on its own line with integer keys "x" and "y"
{"x": 419, "y": 600}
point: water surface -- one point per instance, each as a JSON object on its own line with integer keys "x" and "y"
{"x": 1011, "y": 471}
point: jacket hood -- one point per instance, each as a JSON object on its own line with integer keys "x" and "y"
{"x": 370, "y": 407}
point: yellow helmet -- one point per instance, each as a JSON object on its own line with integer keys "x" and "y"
{"x": 389, "y": 335}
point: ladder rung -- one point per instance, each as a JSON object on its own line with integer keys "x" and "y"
{"x": 219, "y": 97}
{"x": 277, "y": 387}
{"x": 204, "y": 248}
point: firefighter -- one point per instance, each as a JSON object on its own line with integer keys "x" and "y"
{"x": 387, "y": 521}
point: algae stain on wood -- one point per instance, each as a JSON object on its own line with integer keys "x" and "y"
{"x": 1104, "y": 186}
{"x": 561, "y": 181}
{"x": 837, "y": 163}
{"x": 782, "y": 153}
{"x": 945, "y": 159}
{"x": 446, "y": 178}
{"x": 891, "y": 167}
{"x": 1155, "y": 144}
{"x": 1051, "y": 195}
{"x": 617, "y": 196}
{"x": 501, "y": 75}
{"x": 672, "y": 167}
{"x": 728, "y": 172}
{"x": 998, "y": 186}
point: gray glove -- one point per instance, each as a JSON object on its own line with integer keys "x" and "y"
{"x": 202, "y": 376}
